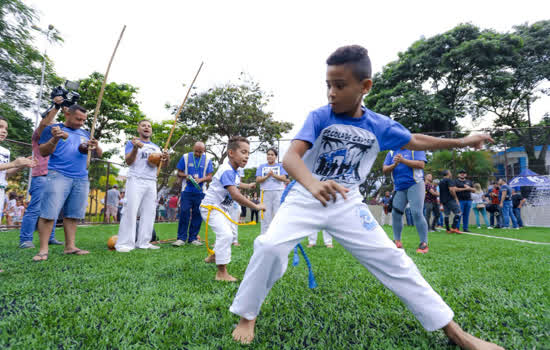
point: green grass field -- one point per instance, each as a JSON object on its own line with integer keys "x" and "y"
{"x": 499, "y": 290}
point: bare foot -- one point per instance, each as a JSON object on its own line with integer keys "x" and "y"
{"x": 329, "y": 246}
{"x": 210, "y": 259}
{"x": 466, "y": 340}
{"x": 236, "y": 244}
{"x": 244, "y": 332}
{"x": 224, "y": 276}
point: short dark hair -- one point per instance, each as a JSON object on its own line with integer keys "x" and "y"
{"x": 4, "y": 119}
{"x": 233, "y": 143}
{"x": 145, "y": 120}
{"x": 272, "y": 149}
{"x": 76, "y": 107}
{"x": 444, "y": 172}
{"x": 354, "y": 55}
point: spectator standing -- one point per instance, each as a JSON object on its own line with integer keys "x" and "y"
{"x": 408, "y": 177}
{"x": 447, "y": 194}
{"x": 479, "y": 205}
{"x": 272, "y": 178}
{"x": 431, "y": 203}
{"x": 196, "y": 170}
{"x": 494, "y": 208}
{"x": 385, "y": 201}
{"x": 505, "y": 198}
{"x": 10, "y": 208}
{"x": 172, "y": 207}
{"x": 464, "y": 189}
{"x": 113, "y": 197}
{"x": 517, "y": 202}
{"x": 67, "y": 182}
{"x": 254, "y": 212}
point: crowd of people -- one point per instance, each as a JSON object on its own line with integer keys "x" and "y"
{"x": 329, "y": 158}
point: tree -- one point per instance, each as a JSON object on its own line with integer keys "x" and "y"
{"x": 478, "y": 164}
{"x": 232, "y": 109}
{"x": 20, "y": 66}
{"x": 376, "y": 182}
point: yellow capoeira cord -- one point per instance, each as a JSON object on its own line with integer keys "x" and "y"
{"x": 210, "y": 208}
{"x": 262, "y": 202}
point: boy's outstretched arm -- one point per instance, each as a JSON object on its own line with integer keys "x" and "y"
{"x": 421, "y": 142}
{"x": 296, "y": 168}
{"x": 242, "y": 200}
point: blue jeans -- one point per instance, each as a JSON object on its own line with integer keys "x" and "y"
{"x": 415, "y": 196}
{"x": 67, "y": 193}
{"x": 190, "y": 208}
{"x": 483, "y": 212}
{"x": 517, "y": 214}
{"x": 30, "y": 218}
{"x": 508, "y": 214}
{"x": 465, "y": 208}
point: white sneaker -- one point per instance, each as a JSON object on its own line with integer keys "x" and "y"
{"x": 479, "y": 227}
{"x": 196, "y": 242}
{"x": 490, "y": 227}
{"x": 124, "y": 250}
{"x": 178, "y": 243}
{"x": 150, "y": 246}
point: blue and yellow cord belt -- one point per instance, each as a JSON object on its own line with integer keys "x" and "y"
{"x": 210, "y": 208}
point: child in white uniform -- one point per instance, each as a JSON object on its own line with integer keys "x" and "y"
{"x": 338, "y": 144}
{"x": 221, "y": 194}
{"x": 141, "y": 192}
{"x": 327, "y": 239}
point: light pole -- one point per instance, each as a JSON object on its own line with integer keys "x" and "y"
{"x": 48, "y": 33}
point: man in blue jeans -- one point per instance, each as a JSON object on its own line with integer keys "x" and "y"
{"x": 505, "y": 198}
{"x": 38, "y": 181}
{"x": 196, "y": 169}
{"x": 408, "y": 177}
{"x": 464, "y": 189}
{"x": 67, "y": 182}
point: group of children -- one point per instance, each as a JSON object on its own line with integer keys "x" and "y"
{"x": 329, "y": 158}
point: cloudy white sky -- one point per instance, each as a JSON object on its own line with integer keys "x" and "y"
{"x": 281, "y": 44}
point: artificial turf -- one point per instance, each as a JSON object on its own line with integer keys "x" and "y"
{"x": 167, "y": 298}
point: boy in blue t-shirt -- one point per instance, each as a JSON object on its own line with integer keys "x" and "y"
{"x": 329, "y": 158}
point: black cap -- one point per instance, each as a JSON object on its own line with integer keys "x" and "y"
{"x": 461, "y": 171}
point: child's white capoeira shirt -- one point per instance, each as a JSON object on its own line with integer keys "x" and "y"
{"x": 344, "y": 148}
{"x": 217, "y": 194}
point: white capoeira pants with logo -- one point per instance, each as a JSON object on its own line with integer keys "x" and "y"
{"x": 221, "y": 226}
{"x": 235, "y": 215}
{"x": 141, "y": 200}
{"x": 327, "y": 238}
{"x": 272, "y": 202}
{"x": 353, "y": 226}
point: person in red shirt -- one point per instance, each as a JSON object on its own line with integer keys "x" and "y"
{"x": 173, "y": 207}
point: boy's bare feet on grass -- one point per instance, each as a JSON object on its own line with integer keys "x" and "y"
{"x": 244, "y": 332}
{"x": 210, "y": 259}
{"x": 225, "y": 276}
{"x": 466, "y": 340}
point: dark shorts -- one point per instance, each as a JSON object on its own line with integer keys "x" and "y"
{"x": 451, "y": 206}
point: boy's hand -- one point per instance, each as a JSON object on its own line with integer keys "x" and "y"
{"x": 260, "y": 206}
{"x": 477, "y": 141}
{"x": 325, "y": 190}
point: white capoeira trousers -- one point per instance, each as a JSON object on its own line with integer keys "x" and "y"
{"x": 272, "y": 201}
{"x": 327, "y": 238}
{"x": 353, "y": 226}
{"x": 221, "y": 226}
{"x": 235, "y": 215}
{"x": 141, "y": 200}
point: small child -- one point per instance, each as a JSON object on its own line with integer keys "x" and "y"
{"x": 223, "y": 191}
{"x": 18, "y": 212}
{"x": 330, "y": 157}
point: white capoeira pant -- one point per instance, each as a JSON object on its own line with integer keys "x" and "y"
{"x": 141, "y": 195}
{"x": 235, "y": 215}
{"x": 327, "y": 238}
{"x": 224, "y": 233}
{"x": 272, "y": 201}
{"x": 353, "y": 226}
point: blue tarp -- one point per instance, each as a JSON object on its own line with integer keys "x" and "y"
{"x": 530, "y": 178}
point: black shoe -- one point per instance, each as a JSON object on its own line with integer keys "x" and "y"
{"x": 465, "y": 230}
{"x": 54, "y": 242}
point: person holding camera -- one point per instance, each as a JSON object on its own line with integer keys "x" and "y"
{"x": 67, "y": 182}
{"x": 38, "y": 182}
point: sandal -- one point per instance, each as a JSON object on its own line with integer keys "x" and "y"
{"x": 40, "y": 257}
{"x": 77, "y": 252}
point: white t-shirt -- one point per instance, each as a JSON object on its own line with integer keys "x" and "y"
{"x": 4, "y": 158}
{"x": 271, "y": 184}
{"x": 217, "y": 193}
{"x": 141, "y": 168}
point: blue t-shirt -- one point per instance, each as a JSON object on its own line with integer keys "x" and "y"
{"x": 271, "y": 184}
{"x": 343, "y": 148}
{"x": 403, "y": 175}
{"x": 195, "y": 167}
{"x": 508, "y": 193}
{"x": 67, "y": 159}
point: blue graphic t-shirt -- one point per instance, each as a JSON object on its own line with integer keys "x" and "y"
{"x": 343, "y": 148}
{"x": 271, "y": 184}
{"x": 67, "y": 159}
{"x": 403, "y": 175}
{"x": 195, "y": 167}
{"x": 217, "y": 193}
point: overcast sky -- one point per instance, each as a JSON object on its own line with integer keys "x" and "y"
{"x": 281, "y": 44}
